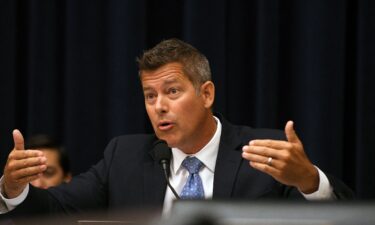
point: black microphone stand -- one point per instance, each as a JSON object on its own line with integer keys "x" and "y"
{"x": 164, "y": 163}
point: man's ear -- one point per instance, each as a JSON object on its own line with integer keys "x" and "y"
{"x": 67, "y": 177}
{"x": 208, "y": 93}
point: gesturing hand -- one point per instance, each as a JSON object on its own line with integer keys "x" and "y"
{"x": 21, "y": 167}
{"x": 285, "y": 161}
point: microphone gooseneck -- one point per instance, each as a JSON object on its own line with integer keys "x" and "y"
{"x": 163, "y": 156}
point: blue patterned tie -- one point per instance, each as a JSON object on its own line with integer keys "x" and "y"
{"x": 193, "y": 188}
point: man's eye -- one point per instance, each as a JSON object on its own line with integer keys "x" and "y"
{"x": 173, "y": 91}
{"x": 149, "y": 96}
{"x": 50, "y": 172}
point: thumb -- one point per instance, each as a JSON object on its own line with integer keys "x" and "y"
{"x": 19, "y": 143}
{"x": 290, "y": 132}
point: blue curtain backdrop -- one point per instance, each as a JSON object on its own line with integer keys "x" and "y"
{"x": 67, "y": 68}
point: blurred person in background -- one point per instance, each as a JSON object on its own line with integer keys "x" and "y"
{"x": 58, "y": 169}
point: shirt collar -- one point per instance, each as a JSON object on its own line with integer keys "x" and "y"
{"x": 207, "y": 155}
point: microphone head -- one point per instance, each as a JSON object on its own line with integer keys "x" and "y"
{"x": 162, "y": 151}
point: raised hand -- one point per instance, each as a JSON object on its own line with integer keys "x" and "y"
{"x": 22, "y": 167}
{"x": 285, "y": 161}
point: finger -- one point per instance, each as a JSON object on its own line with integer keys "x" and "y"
{"x": 29, "y": 171}
{"x": 291, "y": 133}
{"x": 18, "y": 155}
{"x": 256, "y": 158}
{"x": 263, "y": 151}
{"x": 28, "y": 162}
{"x": 29, "y": 179}
{"x": 274, "y": 144}
{"x": 265, "y": 168}
{"x": 19, "y": 143}
{"x": 270, "y": 161}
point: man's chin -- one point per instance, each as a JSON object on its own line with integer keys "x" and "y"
{"x": 170, "y": 142}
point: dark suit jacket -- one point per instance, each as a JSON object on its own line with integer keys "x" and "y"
{"x": 129, "y": 176}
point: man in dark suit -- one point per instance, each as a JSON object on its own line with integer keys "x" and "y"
{"x": 210, "y": 156}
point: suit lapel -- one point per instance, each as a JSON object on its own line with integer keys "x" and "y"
{"x": 227, "y": 164}
{"x": 154, "y": 181}
{"x": 228, "y": 161}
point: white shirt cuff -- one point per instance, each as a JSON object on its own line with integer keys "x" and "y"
{"x": 325, "y": 190}
{"x": 10, "y": 204}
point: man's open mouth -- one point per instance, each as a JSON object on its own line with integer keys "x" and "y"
{"x": 165, "y": 125}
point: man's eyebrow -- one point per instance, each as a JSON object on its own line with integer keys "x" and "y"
{"x": 147, "y": 88}
{"x": 166, "y": 82}
{"x": 170, "y": 81}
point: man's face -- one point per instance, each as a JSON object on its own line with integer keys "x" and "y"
{"x": 54, "y": 174}
{"x": 179, "y": 115}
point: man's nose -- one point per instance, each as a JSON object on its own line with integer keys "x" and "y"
{"x": 161, "y": 104}
{"x": 39, "y": 183}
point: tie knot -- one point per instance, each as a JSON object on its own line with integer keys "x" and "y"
{"x": 192, "y": 164}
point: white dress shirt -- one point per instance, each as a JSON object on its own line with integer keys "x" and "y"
{"x": 178, "y": 177}
{"x": 207, "y": 155}
{"x": 6, "y": 204}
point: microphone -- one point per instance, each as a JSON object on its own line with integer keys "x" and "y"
{"x": 163, "y": 156}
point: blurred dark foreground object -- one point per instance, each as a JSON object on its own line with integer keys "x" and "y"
{"x": 229, "y": 213}
{"x": 272, "y": 213}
